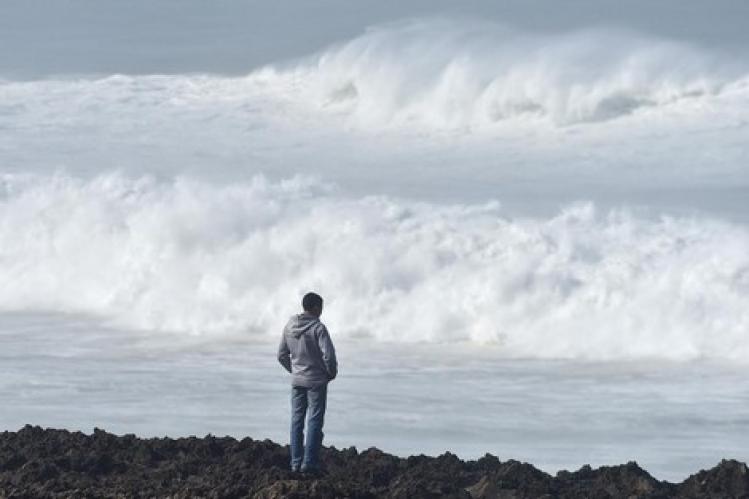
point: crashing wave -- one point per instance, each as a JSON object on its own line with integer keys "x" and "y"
{"x": 201, "y": 258}
{"x": 448, "y": 74}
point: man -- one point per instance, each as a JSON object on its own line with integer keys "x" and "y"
{"x": 308, "y": 354}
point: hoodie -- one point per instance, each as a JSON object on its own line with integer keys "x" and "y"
{"x": 307, "y": 352}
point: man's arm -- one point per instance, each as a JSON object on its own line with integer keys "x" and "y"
{"x": 284, "y": 355}
{"x": 328, "y": 353}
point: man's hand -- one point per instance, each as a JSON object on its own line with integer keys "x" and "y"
{"x": 284, "y": 355}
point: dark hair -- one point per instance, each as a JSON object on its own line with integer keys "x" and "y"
{"x": 311, "y": 301}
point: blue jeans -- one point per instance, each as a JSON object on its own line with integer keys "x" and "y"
{"x": 307, "y": 457}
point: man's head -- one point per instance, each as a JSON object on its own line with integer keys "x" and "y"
{"x": 312, "y": 304}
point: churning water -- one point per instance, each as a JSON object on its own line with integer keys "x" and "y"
{"x": 531, "y": 244}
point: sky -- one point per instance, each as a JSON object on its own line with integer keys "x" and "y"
{"x": 45, "y": 38}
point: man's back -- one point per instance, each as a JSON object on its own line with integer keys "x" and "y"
{"x": 307, "y": 352}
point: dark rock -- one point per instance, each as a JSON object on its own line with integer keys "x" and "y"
{"x": 35, "y": 462}
{"x": 729, "y": 479}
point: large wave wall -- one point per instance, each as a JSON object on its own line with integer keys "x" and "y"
{"x": 448, "y": 74}
{"x": 194, "y": 258}
{"x": 645, "y": 114}
{"x": 427, "y": 73}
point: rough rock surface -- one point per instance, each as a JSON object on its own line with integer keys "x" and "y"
{"x": 35, "y": 462}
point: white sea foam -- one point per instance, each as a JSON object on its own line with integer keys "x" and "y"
{"x": 447, "y": 74}
{"x": 191, "y": 256}
{"x": 426, "y": 73}
{"x": 411, "y": 108}
{"x": 196, "y": 258}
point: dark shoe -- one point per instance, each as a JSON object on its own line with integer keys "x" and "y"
{"x": 311, "y": 472}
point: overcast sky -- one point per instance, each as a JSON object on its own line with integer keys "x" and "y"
{"x": 42, "y": 38}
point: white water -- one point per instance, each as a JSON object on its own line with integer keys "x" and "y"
{"x": 186, "y": 256}
{"x": 496, "y": 213}
{"x": 535, "y": 121}
{"x": 440, "y": 74}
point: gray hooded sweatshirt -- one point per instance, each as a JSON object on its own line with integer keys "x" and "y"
{"x": 307, "y": 352}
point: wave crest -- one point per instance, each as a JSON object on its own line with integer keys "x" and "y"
{"x": 450, "y": 75}
{"x": 200, "y": 258}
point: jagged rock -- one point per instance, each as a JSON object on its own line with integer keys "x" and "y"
{"x": 56, "y": 463}
{"x": 729, "y": 479}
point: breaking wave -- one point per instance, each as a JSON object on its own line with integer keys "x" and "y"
{"x": 188, "y": 256}
{"x": 448, "y": 74}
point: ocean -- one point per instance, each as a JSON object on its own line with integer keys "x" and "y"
{"x": 531, "y": 233}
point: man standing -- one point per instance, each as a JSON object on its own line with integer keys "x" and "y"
{"x": 308, "y": 354}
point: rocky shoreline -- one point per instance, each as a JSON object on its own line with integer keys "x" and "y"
{"x": 36, "y": 462}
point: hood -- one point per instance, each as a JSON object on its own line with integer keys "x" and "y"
{"x": 301, "y": 323}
